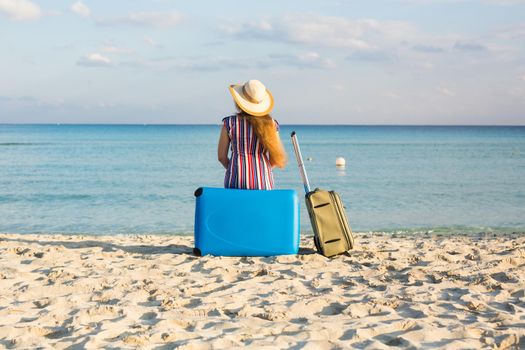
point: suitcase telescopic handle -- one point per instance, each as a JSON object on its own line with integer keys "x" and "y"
{"x": 299, "y": 157}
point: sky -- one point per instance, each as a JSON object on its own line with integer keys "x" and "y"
{"x": 326, "y": 62}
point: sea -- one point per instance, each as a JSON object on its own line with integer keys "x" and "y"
{"x": 140, "y": 179}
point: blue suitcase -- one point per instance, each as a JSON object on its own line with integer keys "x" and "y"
{"x": 231, "y": 222}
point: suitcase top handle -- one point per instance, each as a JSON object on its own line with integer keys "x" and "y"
{"x": 300, "y": 162}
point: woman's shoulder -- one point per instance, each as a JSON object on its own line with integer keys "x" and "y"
{"x": 228, "y": 118}
{"x": 277, "y": 125}
{"x": 229, "y": 122}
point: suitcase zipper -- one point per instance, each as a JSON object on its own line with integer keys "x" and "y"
{"x": 348, "y": 230}
{"x": 320, "y": 242}
{"x": 342, "y": 217}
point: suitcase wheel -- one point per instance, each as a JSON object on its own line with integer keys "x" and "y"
{"x": 197, "y": 252}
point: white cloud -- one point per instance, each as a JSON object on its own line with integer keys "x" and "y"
{"x": 445, "y": 91}
{"x": 392, "y": 95}
{"x": 517, "y": 92}
{"x": 150, "y": 42}
{"x": 427, "y": 48}
{"x": 115, "y": 50}
{"x": 308, "y": 60}
{"x": 313, "y": 59}
{"x": 469, "y": 46}
{"x": 20, "y": 10}
{"x": 372, "y": 55}
{"x": 81, "y": 9}
{"x": 94, "y": 60}
{"x": 369, "y": 40}
{"x": 426, "y": 65}
{"x": 301, "y": 61}
{"x": 512, "y": 32}
{"x": 150, "y": 19}
{"x": 338, "y": 87}
{"x": 316, "y": 30}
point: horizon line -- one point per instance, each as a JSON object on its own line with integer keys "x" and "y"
{"x": 282, "y": 124}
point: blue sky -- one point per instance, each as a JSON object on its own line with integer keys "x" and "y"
{"x": 342, "y": 62}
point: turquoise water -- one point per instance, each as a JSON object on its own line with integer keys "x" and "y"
{"x": 104, "y": 179}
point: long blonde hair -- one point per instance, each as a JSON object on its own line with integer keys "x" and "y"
{"x": 265, "y": 130}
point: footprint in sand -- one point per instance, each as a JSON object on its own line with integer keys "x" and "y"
{"x": 409, "y": 312}
{"x": 42, "y": 303}
{"x": 435, "y": 278}
{"x": 359, "y": 310}
{"x": 520, "y": 293}
{"x": 473, "y": 257}
{"x": 509, "y": 263}
{"x": 59, "y": 332}
{"x": 199, "y": 313}
{"x": 150, "y": 318}
{"x": 97, "y": 314}
{"x": 60, "y": 276}
{"x": 504, "y": 277}
{"x": 508, "y": 341}
{"x": 272, "y": 315}
{"x": 20, "y": 251}
{"x": 170, "y": 303}
{"x": 51, "y": 332}
{"x": 391, "y": 303}
{"x": 333, "y": 309}
{"x": 38, "y": 331}
{"x": 7, "y": 273}
{"x": 105, "y": 298}
{"x": 134, "y": 339}
{"x": 475, "y": 305}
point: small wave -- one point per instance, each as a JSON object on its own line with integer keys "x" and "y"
{"x": 22, "y": 143}
{"x": 43, "y": 198}
{"x": 450, "y": 230}
{"x": 109, "y": 199}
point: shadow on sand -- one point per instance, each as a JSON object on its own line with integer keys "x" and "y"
{"x": 175, "y": 249}
{"x": 109, "y": 247}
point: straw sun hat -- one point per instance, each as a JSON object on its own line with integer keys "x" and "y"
{"x": 252, "y": 97}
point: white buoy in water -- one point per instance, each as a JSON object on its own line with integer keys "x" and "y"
{"x": 340, "y": 162}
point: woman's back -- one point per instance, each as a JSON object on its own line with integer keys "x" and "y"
{"x": 249, "y": 166}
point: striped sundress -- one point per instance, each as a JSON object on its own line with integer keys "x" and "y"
{"x": 249, "y": 166}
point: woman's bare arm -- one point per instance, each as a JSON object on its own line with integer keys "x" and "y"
{"x": 222, "y": 149}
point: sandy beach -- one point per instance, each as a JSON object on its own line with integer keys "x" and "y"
{"x": 419, "y": 291}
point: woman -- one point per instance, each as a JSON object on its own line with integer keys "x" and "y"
{"x": 253, "y": 134}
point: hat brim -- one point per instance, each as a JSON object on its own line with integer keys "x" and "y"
{"x": 257, "y": 109}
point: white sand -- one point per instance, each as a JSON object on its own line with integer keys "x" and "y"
{"x": 150, "y": 292}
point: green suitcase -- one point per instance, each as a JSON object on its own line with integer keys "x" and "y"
{"x": 332, "y": 233}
